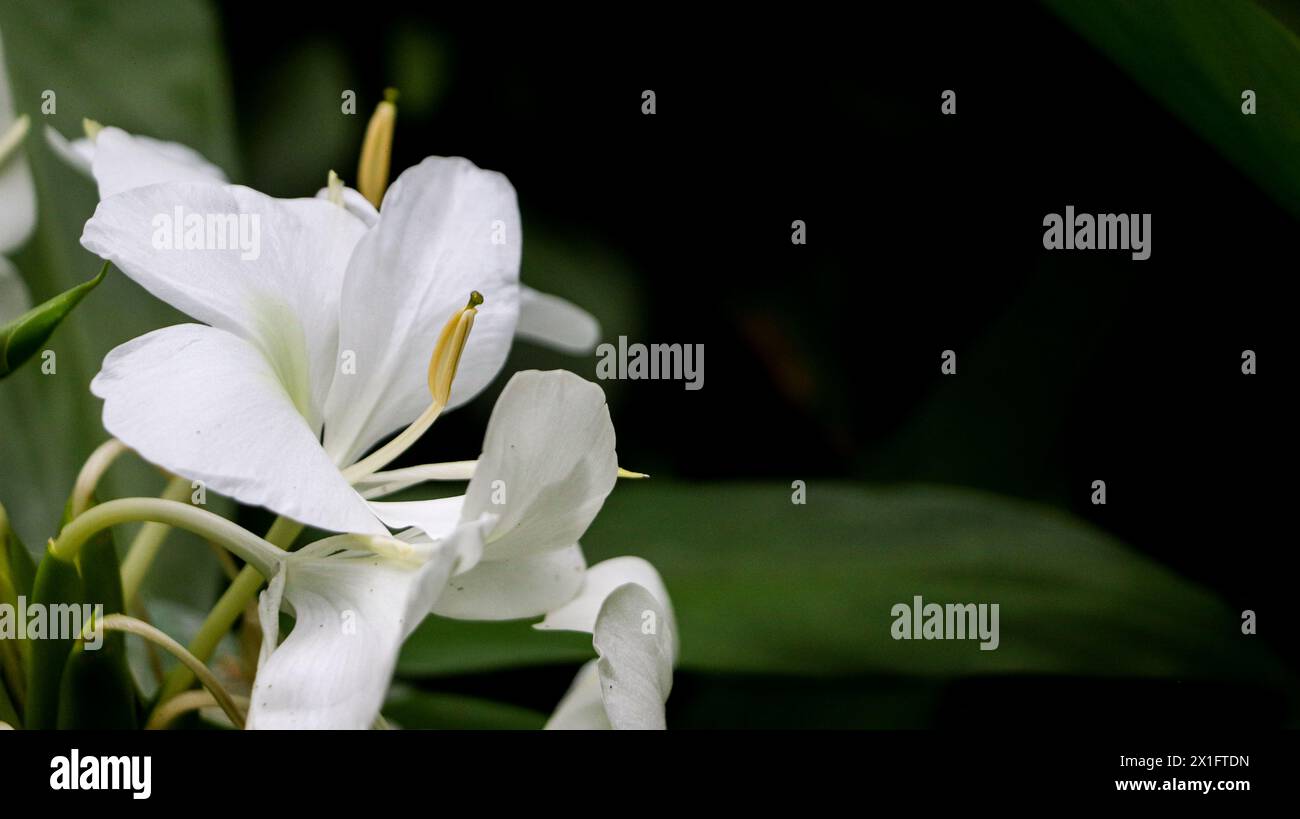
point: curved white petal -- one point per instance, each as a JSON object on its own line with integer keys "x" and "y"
{"x": 555, "y": 322}
{"x": 205, "y": 404}
{"x": 78, "y": 153}
{"x": 515, "y": 588}
{"x": 355, "y": 204}
{"x": 548, "y": 464}
{"x": 17, "y": 193}
{"x": 379, "y": 484}
{"x": 447, "y": 228}
{"x": 635, "y": 638}
{"x": 599, "y": 582}
{"x": 276, "y": 283}
{"x": 122, "y": 161}
{"x": 436, "y": 518}
{"x": 352, "y": 609}
{"x": 582, "y": 708}
{"x": 14, "y": 297}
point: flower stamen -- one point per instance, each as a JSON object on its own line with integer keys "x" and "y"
{"x": 442, "y": 372}
{"x": 377, "y": 150}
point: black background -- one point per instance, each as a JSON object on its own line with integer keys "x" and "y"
{"x": 924, "y": 234}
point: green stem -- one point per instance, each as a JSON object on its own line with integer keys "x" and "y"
{"x": 148, "y": 541}
{"x": 226, "y": 611}
{"x": 120, "y": 622}
{"x": 237, "y": 539}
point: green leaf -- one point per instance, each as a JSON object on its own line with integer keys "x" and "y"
{"x": 761, "y": 585}
{"x": 411, "y": 708}
{"x": 22, "y": 337}
{"x": 441, "y": 646}
{"x": 57, "y": 582}
{"x": 1197, "y": 59}
{"x": 98, "y": 691}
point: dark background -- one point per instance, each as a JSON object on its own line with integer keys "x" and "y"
{"x": 924, "y": 234}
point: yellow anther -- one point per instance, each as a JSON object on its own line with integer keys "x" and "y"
{"x": 377, "y": 150}
{"x": 450, "y": 346}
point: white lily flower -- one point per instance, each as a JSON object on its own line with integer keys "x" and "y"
{"x": 119, "y": 161}
{"x": 625, "y": 607}
{"x": 315, "y": 349}
{"x": 17, "y": 200}
{"x": 548, "y": 463}
{"x": 354, "y": 600}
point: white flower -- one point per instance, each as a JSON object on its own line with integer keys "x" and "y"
{"x": 354, "y": 600}
{"x": 119, "y": 161}
{"x": 316, "y": 348}
{"x": 548, "y": 464}
{"x": 624, "y": 605}
{"x": 17, "y": 201}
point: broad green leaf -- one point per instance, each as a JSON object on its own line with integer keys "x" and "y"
{"x": 761, "y": 585}
{"x": 442, "y": 646}
{"x": 22, "y": 337}
{"x": 1197, "y": 59}
{"x": 412, "y": 708}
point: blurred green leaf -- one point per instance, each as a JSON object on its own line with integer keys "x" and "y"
{"x": 412, "y": 708}
{"x": 57, "y": 583}
{"x": 22, "y": 337}
{"x": 764, "y": 586}
{"x": 1197, "y": 59}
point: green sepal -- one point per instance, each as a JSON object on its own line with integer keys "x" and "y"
{"x": 57, "y": 582}
{"x": 22, "y": 337}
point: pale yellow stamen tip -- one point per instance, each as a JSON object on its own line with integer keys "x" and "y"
{"x": 377, "y": 150}
{"x": 92, "y": 128}
{"x": 627, "y": 473}
{"x": 13, "y": 137}
{"x": 334, "y": 189}
{"x": 450, "y": 346}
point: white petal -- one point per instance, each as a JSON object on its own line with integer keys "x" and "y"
{"x": 436, "y": 518}
{"x": 17, "y": 193}
{"x": 379, "y": 484}
{"x": 78, "y": 153}
{"x": 635, "y": 638}
{"x": 14, "y": 298}
{"x": 432, "y": 246}
{"x": 555, "y": 322}
{"x": 352, "y": 610}
{"x": 206, "y": 405}
{"x": 582, "y": 709}
{"x": 548, "y": 464}
{"x": 122, "y": 161}
{"x": 515, "y": 588}
{"x": 600, "y": 581}
{"x": 276, "y": 284}
{"x": 355, "y": 204}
